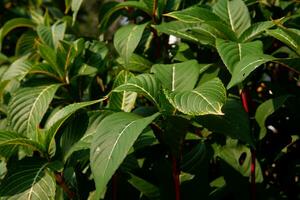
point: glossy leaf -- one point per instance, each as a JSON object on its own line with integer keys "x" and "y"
{"x": 145, "y": 84}
{"x": 255, "y": 30}
{"x": 232, "y": 52}
{"x": 56, "y": 121}
{"x": 287, "y": 36}
{"x": 136, "y": 63}
{"x": 132, "y": 4}
{"x": 10, "y": 141}
{"x": 18, "y": 69}
{"x": 231, "y": 153}
{"x": 193, "y": 14}
{"x": 208, "y": 98}
{"x": 27, "y": 108}
{"x": 265, "y": 109}
{"x": 12, "y": 24}
{"x": 122, "y": 101}
{"x": 95, "y": 118}
{"x": 247, "y": 65}
{"x": 28, "y": 179}
{"x": 235, "y": 13}
{"x": 111, "y": 143}
{"x": 173, "y": 76}
{"x": 75, "y": 6}
{"x": 147, "y": 189}
{"x": 234, "y": 123}
{"x": 127, "y": 38}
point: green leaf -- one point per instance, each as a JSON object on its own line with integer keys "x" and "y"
{"x": 10, "y": 141}
{"x": 245, "y": 66}
{"x": 49, "y": 55}
{"x": 18, "y": 69}
{"x": 145, "y": 84}
{"x": 127, "y": 38}
{"x": 52, "y": 35}
{"x": 27, "y": 108}
{"x": 265, "y": 109}
{"x": 174, "y": 76}
{"x": 133, "y": 4}
{"x": 28, "y": 179}
{"x": 95, "y": 117}
{"x": 12, "y": 24}
{"x": 207, "y": 98}
{"x": 255, "y": 30}
{"x": 122, "y": 101}
{"x": 232, "y": 52}
{"x": 58, "y": 32}
{"x": 26, "y": 43}
{"x": 234, "y": 123}
{"x": 178, "y": 29}
{"x": 287, "y": 36}
{"x": 235, "y": 13}
{"x": 193, "y": 14}
{"x": 56, "y": 121}
{"x": 231, "y": 153}
{"x": 45, "y": 34}
{"x": 136, "y": 63}
{"x": 114, "y": 137}
{"x": 147, "y": 189}
{"x": 75, "y": 6}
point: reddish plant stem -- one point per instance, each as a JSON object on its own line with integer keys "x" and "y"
{"x": 114, "y": 187}
{"x": 61, "y": 182}
{"x": 175, "y": 174}
{"x": 246, "y": 101}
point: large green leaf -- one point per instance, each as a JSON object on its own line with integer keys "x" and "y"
{"x": 193, "y": 14}
{"x": 174, "y": 76}
{"x": 75, "y": 6}
{"x": 18, "y": 69}
{"x": 231, "y": 154}
{"x": 234, "y": 123}
{"x": 265, "y": 109}
{"x": 27, "y": 108}
{"x": 255, "y": 30}
{"x": 204, "y": 33}
{"x": 145, "y": 84}
{"x": 235, "y": 13}
{"x": 26, "y": 43}
{"x": 133, "y": 4}
{"x": 136, "y": 63}
{"x": 49, "y": 55}
{"x": 52, "y": 35}
{"x": 147, "y": 189}
{"x": 288, "y": 36}
{"x": 12, "y": 24}
{"x": 245, "y": 66}
{"x": 56, "y": 121}
{"x": 178, "y": 29}
{"x": 95, "y": 117}
{"x": 122, "y": 101}
{"x": 232, "y": 52}
{"x": 127, "y": 38}
{"x": 28, "y": 179}
{"x": 10, "y": 141}
{"x": 114, "y": 137}
{"x": 208, "y": 98}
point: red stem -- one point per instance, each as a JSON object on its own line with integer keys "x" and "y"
{"x": 61, "y": 182}
{"x": 175, "y": 173}
{"x": 246, "y": 100}
{"x": 114, "y": 187}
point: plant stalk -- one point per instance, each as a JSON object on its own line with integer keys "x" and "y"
{"x": 175, "y": 174}
{"x": 61, "y": 182}
{"x": 246, "y": 101}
